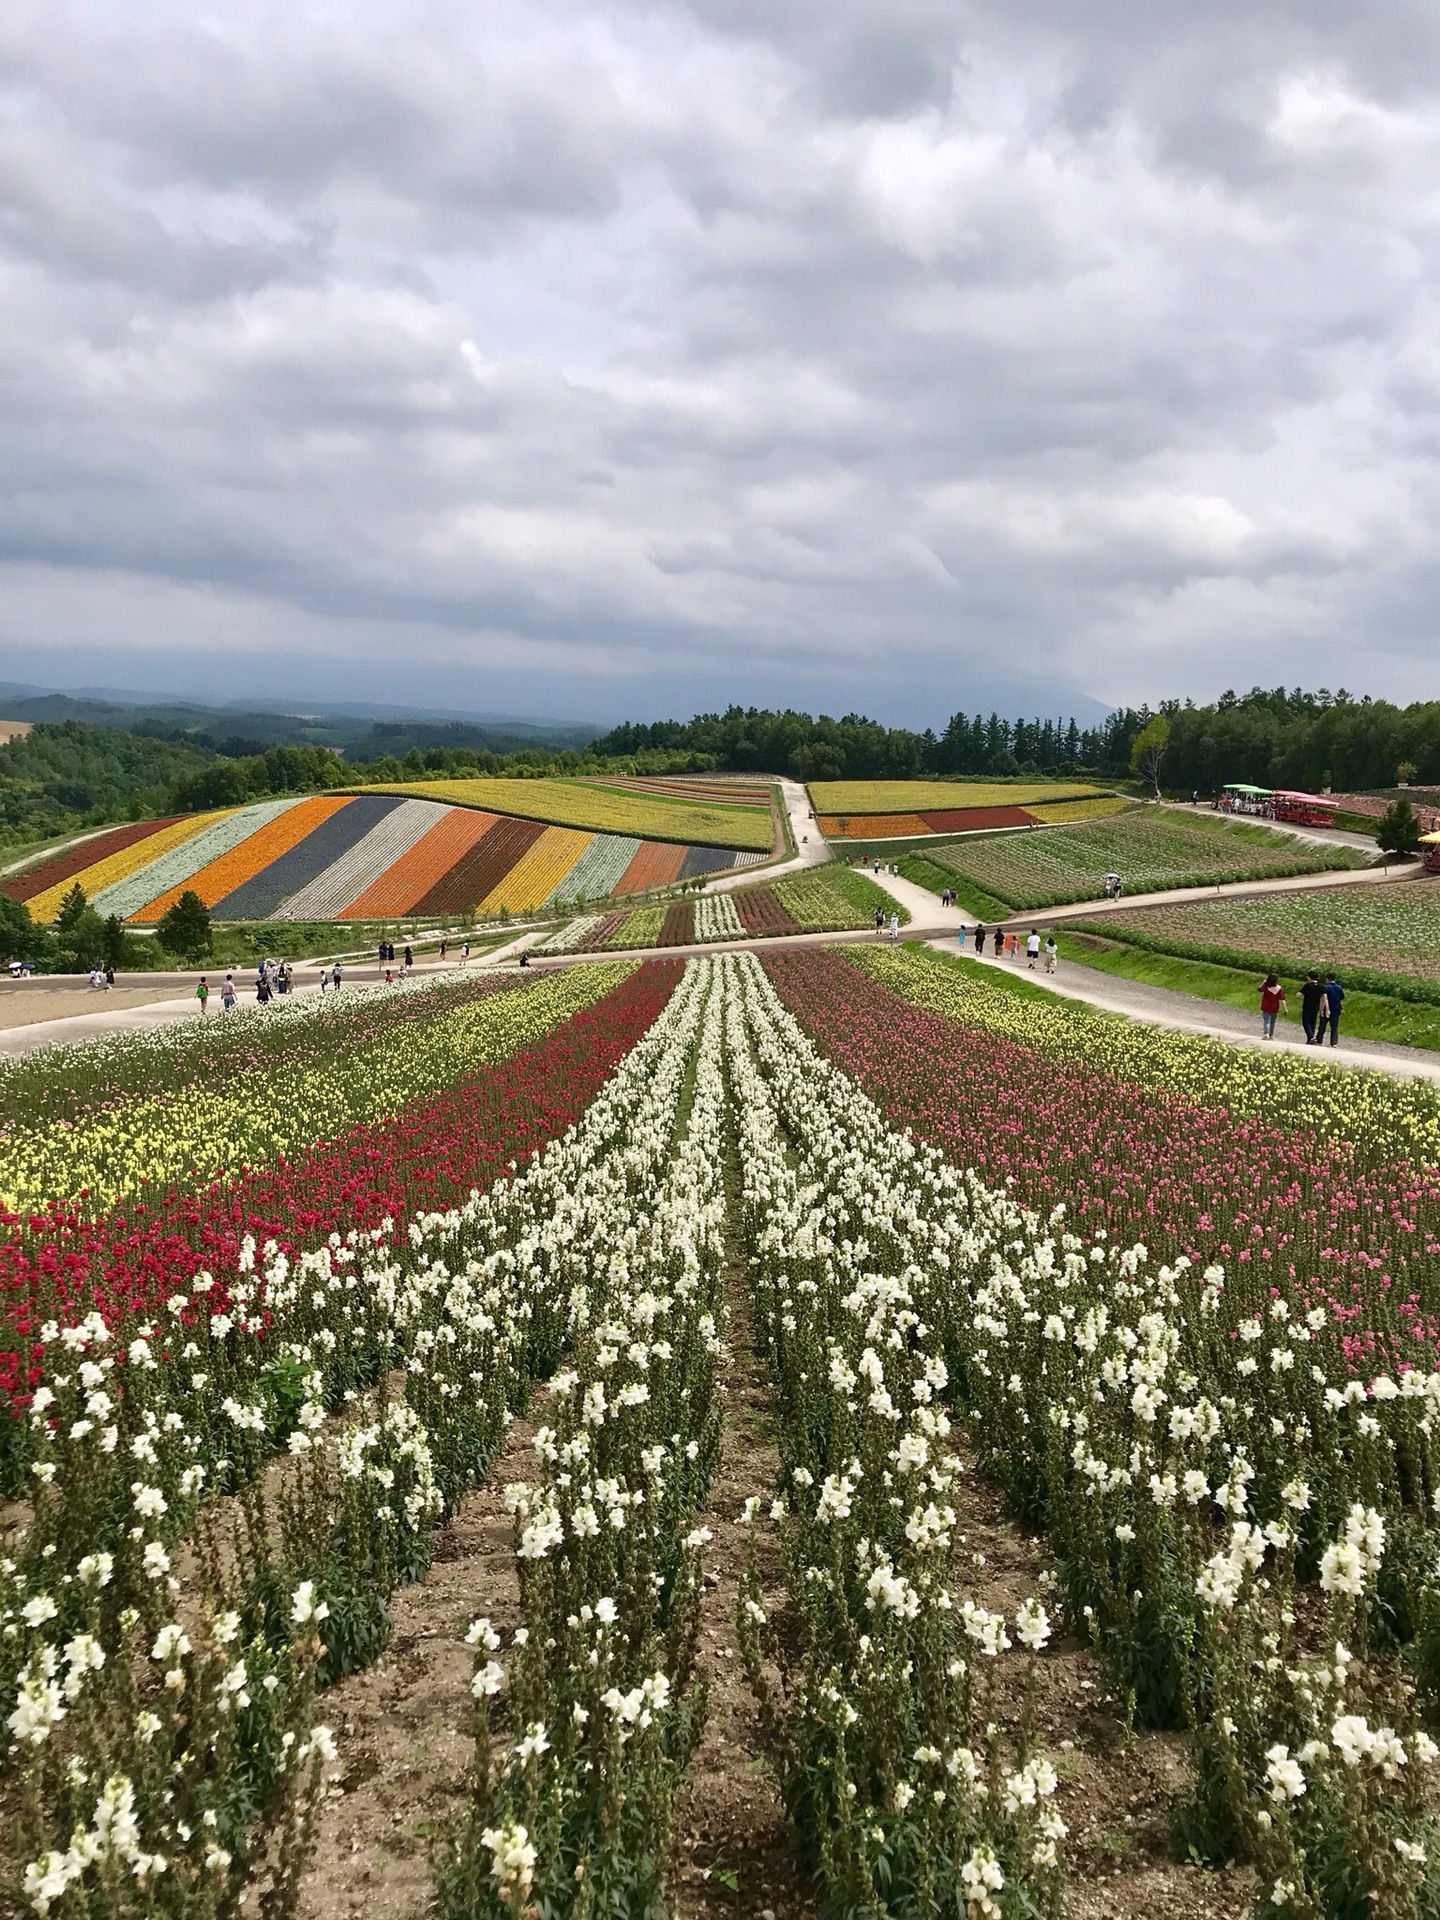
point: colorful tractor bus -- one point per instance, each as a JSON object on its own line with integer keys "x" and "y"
{"x": 1303, "y": 809}
{"x": 1430, "y": 849}
{"x": 1237, "y": 797}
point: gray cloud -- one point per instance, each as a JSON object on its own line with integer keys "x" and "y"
{"x": 828, "y": 352}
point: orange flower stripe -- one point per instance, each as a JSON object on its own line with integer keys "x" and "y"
{"x": 252, "y": 856}
{"x": 536, "y": 874}
{"x": 871, "y": 826}
{"x": 656, "y": 864}
{"x": 403, "y": 885}
{"x": 119, "y": 866}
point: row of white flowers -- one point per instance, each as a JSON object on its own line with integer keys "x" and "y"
{"x": 600, "y": 1693}
{"x": 1184, "y": 1456}
{"x": 716, "y": 918}
{"x": 879, "y": 1726}
{"x": 474, "y": 1303}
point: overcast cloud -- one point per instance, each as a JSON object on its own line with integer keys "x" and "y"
{"x": 585, "y": 360}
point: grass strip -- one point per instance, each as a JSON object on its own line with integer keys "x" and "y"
{"x": 1394, "y": 1018}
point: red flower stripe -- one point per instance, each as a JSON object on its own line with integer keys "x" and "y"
{"x": 126, "y": 1263}
{"x": 1283, "y": 1212}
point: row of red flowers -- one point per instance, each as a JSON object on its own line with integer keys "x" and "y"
{"x": 1283, "y": 1211}
{"x": 127, "y": 1262}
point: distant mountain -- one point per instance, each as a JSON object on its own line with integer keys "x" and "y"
{"x": 359, "y": 730}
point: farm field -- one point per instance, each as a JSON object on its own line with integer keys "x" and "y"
{"x": 928, "y": 1430}
{"x": 882, "y": 827}
{"x": 829, "y": 899}
{"x": 375, "y": 855}
{"x": 1150, "y": 850}
{"x": 929, "y": 796}
{"x": 606, "y": 807}
{"x": 1382, "y": 934}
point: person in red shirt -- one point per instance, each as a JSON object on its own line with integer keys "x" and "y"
{"x": 1272, "y": 998}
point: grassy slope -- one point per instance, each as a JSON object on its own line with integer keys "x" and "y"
{"x": 1367, "y": 1016}
{"x": 972, "y": 899}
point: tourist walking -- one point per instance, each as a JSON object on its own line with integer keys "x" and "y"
{"x": 980, "y": 939}
{"x": 894, "y": 926}
{"x": 1052, "y": 954}
{"x": 1334, "y": 1000}
{"x": 335, "y": 975}
{"x": 879, "y": 915}
{"x": 1032, "y": 948}
{"x": 202, "y": 994}
{"x": 409, "y": 959}
{"x": 1312, "y": 998}
{"x": 227, "y": 994}
{"x": 1272, "y": 998}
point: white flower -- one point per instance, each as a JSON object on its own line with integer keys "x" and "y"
{"x": 1032, "y": 1625}
{"x": 1284, "y": 1773}
{"x": 512, "y": 1856}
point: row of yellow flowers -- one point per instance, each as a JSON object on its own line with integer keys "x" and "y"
{"x": 258, "y": 1117}
{"x": 537, "y": 873}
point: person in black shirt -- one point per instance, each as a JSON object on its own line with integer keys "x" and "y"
{"x": 1334, "y": 999}
{"x": 1311, "y": 995}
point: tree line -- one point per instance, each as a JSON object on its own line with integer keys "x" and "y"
{"x": 73, "y": 774}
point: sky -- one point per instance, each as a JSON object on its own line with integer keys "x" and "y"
{"x": 600, "y": 361}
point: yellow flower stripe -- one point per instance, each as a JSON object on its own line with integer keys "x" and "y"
{"x": 579, "y": 803}
{"x": 120, "y": 866}
{"x": 537, "y": 873}
{"x": 639, "y": 929}
{"x": 933, "y": 796}
{"x": 1400, "y": 1118}
{"x": 1056, "y": 811}
{"x": 259, "y": 1117}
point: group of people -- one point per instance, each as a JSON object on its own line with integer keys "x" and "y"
{"x": 1320, "y": 1004}
{"x": 894, "y": 923}
{"x": 272, "y": 977}
{"x": 387, "y": 961}
{"x": 1009, "y": 946}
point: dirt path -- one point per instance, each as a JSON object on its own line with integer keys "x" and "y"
{"x": 733, "y": 1837}
{"x": 403, "y": 1725}
{"x": 1117, "y": 1788}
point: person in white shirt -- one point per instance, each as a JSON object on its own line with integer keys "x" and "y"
{"x": 1032, "y": 948}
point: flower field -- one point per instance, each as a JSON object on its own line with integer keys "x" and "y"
{"x": 383, "y": 854}
{"x": 1383, "y": 930}
{"x": 1180, "y": 1302}
{"x": 928, "y": 796}
{"x": 1149, "y": 849}
{"x": 604, "y": 807}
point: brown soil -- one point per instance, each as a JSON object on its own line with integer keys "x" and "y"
{"x": 403, "y": 1725}
{"x": 733, "y": 1840}
{"x": 1117, "y": 1788}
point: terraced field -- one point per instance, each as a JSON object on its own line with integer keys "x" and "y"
{"x": 1148, "y": 848}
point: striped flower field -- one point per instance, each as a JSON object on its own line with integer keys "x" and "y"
{"x": 372, "y": 855}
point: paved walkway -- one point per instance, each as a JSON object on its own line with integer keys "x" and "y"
{"x": 924, "y": 906}
{"x": 810, "y": 848}
{"x": 1188, "y": 1013}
